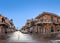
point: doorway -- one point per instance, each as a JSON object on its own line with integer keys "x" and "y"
{"x": 52, "y": 30}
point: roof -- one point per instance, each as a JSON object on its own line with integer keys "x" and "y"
{"x": 47, "y": 13}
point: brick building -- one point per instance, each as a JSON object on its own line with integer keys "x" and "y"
{"x": 5, "y": 25}
{"x": 44, "y": 23}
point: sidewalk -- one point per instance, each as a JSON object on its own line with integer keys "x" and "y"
{"x": 2, "y": 41}
{"x": 3, "y": 36}
{"x": 45, "y": 36}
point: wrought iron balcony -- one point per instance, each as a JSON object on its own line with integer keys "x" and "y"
{"x": 3, "y": 23}
{"x": 47, "y": 21}
{"x": 55, "y": 22}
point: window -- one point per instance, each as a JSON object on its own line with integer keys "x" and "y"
{"x": 44, "y": 29}
{"x": 52, "y": 30}
{"x": 51, "y": 18}
{"x": 44, "y": 19}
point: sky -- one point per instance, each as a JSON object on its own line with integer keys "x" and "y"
{"x": 21, "y": 10}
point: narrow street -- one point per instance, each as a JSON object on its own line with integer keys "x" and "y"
{"x": 18, "y": 37}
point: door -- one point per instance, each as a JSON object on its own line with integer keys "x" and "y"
{"x": 52, "y": 30}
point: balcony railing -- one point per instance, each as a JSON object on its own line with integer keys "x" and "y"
{"x": 55, "y": 22}
{"x": 37, "y": 21}
{"x": 2, "y": 22}
{"x": 46, "y": 21}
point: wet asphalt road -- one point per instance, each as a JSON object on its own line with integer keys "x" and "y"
{"x": 18, "y": 37}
